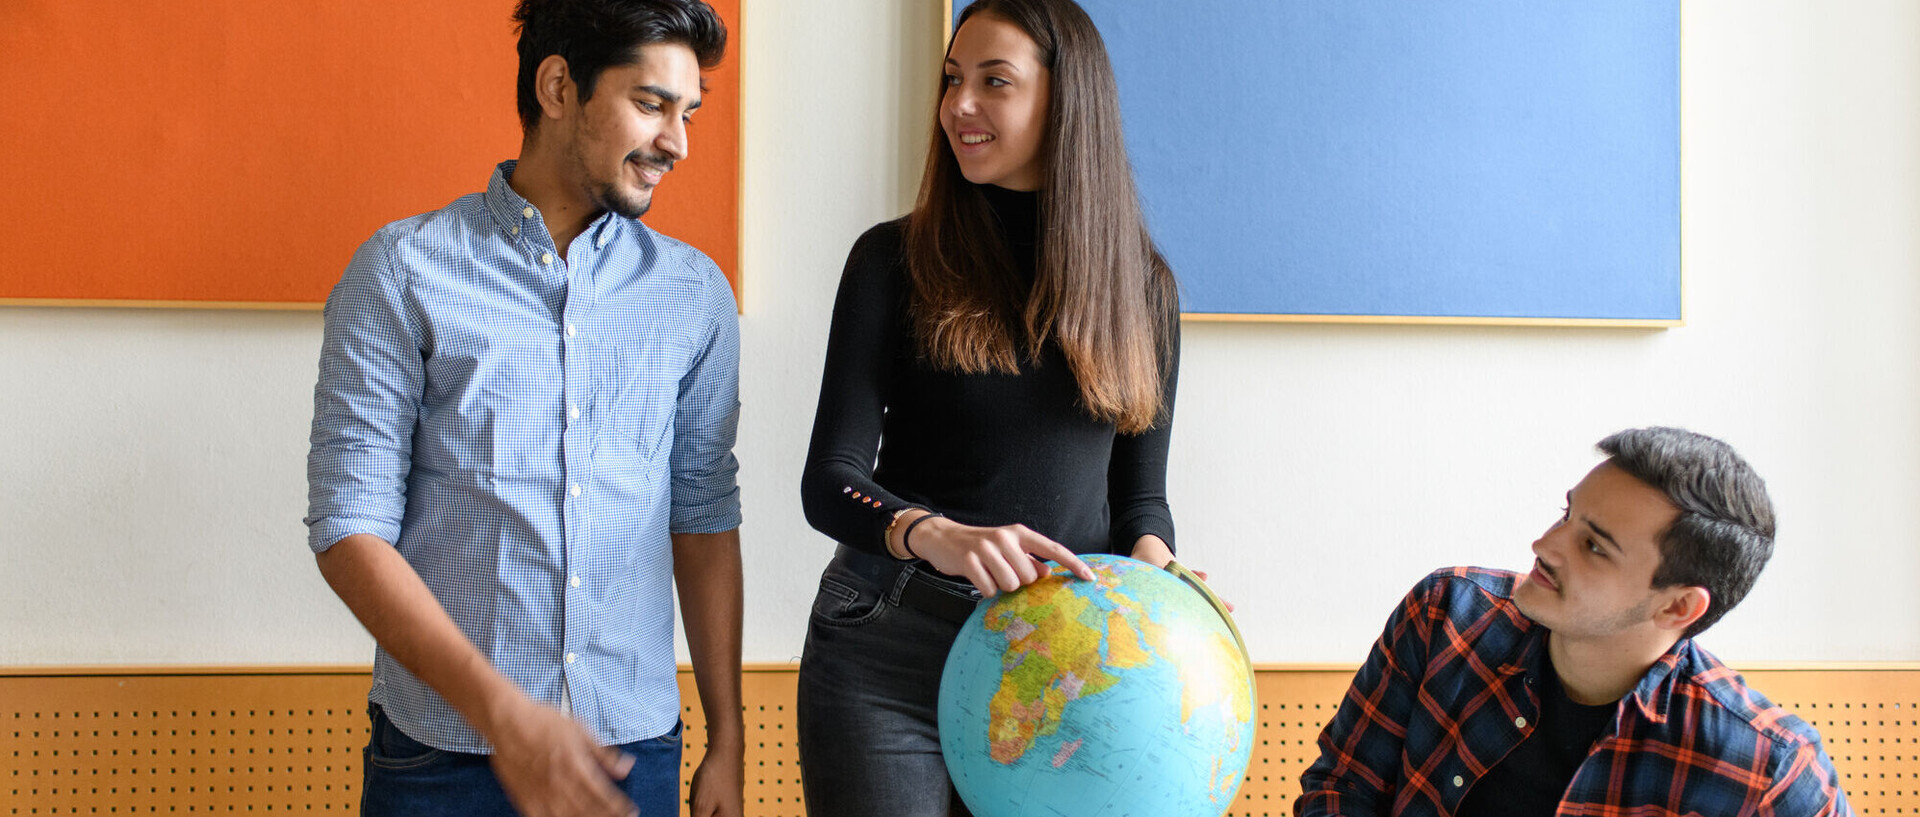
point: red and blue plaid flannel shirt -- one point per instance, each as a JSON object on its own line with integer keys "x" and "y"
{"x": 1450, "y": 689}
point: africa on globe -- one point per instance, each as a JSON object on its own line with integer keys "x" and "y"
{"x": 1130, "y": 694}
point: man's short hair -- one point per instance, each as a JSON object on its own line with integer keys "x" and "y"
{"x": 594, "y": 35}
{"x": 1724, "y": 533}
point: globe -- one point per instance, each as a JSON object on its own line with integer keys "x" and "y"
{"x": 1127, "y": 695}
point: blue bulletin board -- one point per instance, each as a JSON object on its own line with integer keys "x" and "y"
{"x": 1474, "y": 161}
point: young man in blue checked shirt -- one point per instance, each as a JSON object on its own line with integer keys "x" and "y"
{"x": 522, "y": 442}
{"x": 1577, "y": 688}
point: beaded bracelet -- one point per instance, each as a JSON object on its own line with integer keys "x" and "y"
{"x": 906, "y": 536}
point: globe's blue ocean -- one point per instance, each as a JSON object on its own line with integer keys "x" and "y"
{"x": 1128, "y": 695}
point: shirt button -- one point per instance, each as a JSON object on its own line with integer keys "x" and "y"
{"x": 1458, "y": 781}
{"x": 573, "y": 412}
{"x": 516, "y": 229}
{"x": 571, "y": 657}
{"x": 575, "y": 490}
{"x": 1520, "y": 722}
{"x": 600, "y": 244}
{"x": 526, "y": 212}
{"x": 546, "y": 258}
{"x": 570, "y": 330}
{"x": 575, "y": 581}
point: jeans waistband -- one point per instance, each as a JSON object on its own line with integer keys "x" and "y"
{"x": 913, "y": 584}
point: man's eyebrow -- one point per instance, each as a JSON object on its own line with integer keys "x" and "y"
{"x": 1596, "y": 528}
{"x": 1603, "y": 534}
{"x": 669, "y": 97}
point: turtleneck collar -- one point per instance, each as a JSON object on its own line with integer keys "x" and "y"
{"x": 1018, "y": 211}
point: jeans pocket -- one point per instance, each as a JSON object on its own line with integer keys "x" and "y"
{"x": 673, "y": 735}
{"x": 845, "y": 600}
{"x": 390, "y": 748}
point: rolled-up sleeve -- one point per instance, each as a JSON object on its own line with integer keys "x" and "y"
{"x": 365, "y": 403}
{"x": 706, "y": 492}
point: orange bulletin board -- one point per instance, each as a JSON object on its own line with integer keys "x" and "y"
{"x": 235, "y": 152}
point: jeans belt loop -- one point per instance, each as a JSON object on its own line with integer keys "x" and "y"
{"x": 899, "y": 588}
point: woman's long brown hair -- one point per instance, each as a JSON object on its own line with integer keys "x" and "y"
{"x": 1100, "y": 290}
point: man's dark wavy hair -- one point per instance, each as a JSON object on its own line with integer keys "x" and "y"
{"x": 1724, "y": 533}
{"x": 594, "y": 35}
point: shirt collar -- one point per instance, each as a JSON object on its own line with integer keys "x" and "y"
{"x": 1655, "y": 690}
{"x": 513, "y": 212}
{"x": 509, "y": 210}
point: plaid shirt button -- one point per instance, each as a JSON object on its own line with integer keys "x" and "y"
{"x": 1520, "y": 722}
{"x": 1459, "y": 781}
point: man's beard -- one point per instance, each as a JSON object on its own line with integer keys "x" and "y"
{"x": 609, "y": 197}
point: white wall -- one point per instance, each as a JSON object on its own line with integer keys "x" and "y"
{"x": 153, "y": 460}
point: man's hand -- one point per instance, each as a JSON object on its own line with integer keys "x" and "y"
{"x": 719, "y": 783}
{"x": 706, "y": 569}
{"x": 550, "y": 767}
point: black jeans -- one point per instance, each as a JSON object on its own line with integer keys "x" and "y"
{"x": 869, "y": 690}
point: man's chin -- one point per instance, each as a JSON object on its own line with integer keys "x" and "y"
{"x": 630, "y": 205}
{"x": 1526, "y": 597}
{"x": 633, "y": 209}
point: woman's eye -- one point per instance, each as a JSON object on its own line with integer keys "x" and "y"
{"x": 950, "y": 80}
{"x": 1594, "y": 548}
{"x": 1566, "y": 513}
{"x": 996, "y": 82}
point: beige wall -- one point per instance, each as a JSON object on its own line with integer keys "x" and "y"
{"x": 153, "y": 460}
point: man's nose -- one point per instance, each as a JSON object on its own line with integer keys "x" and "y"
{"x": 673, "y": 140}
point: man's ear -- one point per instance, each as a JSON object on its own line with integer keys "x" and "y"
{"x": 1683, "y": 606}
{"x": 553, "y": 86}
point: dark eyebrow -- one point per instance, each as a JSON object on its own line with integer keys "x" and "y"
{"x": 669, "y": 97}
{"x": 986, "y": 63}
{"x": 1603, "y": 534}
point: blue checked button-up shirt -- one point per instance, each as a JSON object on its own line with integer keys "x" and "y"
{"x": 527, "y": 431}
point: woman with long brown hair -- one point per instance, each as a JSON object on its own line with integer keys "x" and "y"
{"x": 998, "y": 391}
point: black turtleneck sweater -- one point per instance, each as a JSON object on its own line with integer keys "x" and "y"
{"x": 988, "y": 449}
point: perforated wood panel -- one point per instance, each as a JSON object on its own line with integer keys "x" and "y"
{"x": 225, "y": 741}
{"x": 1294, "y": 706}
{"x": 182, "y": 743}
{"x": 1870, "y": 721}
{"x": 773, "y": 750}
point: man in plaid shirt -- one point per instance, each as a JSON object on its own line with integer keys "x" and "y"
{"x": 1577, "y": 689}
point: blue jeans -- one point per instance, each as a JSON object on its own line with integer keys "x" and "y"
{"x": 869, "y": 691}
{"x": 405, "y": 777}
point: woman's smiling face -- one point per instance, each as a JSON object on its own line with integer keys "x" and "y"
{"x": 994, "y": 109}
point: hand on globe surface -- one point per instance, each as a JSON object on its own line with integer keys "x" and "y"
{"x": 995, "y": 559}
{"x": 1154, "y": 551}
{"x": 1223, "y": 599}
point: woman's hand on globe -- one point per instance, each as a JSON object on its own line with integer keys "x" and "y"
{"x": 995, "y": 559}
{"x": 1154, "y": 551}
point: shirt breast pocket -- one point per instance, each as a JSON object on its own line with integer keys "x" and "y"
{"x": 638, "y": 394}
